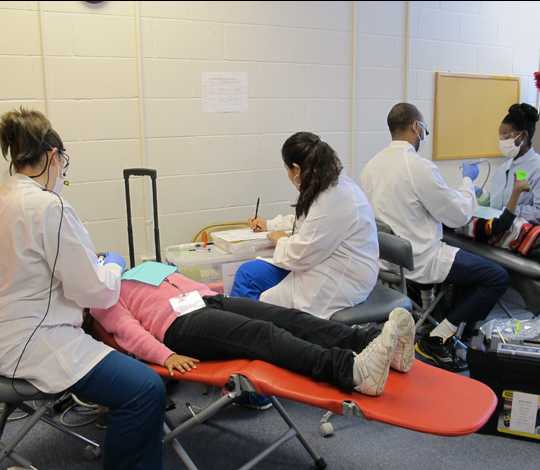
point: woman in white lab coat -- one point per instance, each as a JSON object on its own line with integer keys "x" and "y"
{"x": 326, "y": 254}
{"x": 515, "y": 141}
{"x": 48, "y": 273}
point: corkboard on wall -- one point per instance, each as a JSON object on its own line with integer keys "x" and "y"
{"x": 468, "y": 111}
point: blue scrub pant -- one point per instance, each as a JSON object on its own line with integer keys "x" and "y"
{"x": 135, "y": 395}
{"x": 254, "y": 277}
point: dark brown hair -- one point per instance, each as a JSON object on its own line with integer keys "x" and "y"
{"x": 26, "y": 135}
{"x": 320, "y": 167}
{"x": 522, "y": 117}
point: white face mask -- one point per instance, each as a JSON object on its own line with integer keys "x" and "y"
{"x": 509, "y": 148}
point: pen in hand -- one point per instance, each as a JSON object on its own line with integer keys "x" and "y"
{"x": 254, "y": 222}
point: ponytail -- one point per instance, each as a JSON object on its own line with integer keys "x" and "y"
{"x": 319, "y": 164}
{"x": 26, "y": 135}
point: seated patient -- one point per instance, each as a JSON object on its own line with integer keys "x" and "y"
{"x": 144, "y": 323}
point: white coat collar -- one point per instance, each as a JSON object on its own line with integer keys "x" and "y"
{"x": 19, "y": 178}
{"x": 402, "y": 144}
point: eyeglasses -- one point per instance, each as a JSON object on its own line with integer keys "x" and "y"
{"x": 65, "y": 157}
{"x": 424, "y": 127}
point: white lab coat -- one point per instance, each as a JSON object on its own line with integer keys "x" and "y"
{"x": 332, "y": 255}
{"x": 502, "y": 184}
{"x": 409, "y": 194}
{"x": 60, "y": 353}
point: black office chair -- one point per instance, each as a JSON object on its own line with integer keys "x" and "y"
{"x": 383, "y": 299}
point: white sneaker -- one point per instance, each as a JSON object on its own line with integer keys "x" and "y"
{"x": 370, "y": 369}
{"x": 404, "y": 326}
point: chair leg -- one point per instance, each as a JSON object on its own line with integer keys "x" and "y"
{"x": 325, "y": 426}
{"x": 319, "y": 461}
{"x": 29, "y": 423}
{"x": 7, "y": 409}
{"x": 18, "y": 459}
{"x": 93, "y": 445}
{"x": 429, "y": 310}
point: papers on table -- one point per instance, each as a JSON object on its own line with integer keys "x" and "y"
{"x": 240, "y": 235}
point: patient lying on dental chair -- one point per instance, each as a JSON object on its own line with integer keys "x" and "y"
{"x": 182, "y": 322}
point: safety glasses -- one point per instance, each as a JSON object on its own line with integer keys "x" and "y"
{"x": 424, "y": 127}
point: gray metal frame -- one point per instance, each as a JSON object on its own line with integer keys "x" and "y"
{"x": 235, "y": 387}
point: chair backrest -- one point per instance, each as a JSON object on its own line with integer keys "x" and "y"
{"x": 396, "y": 250}
{"x": 382, "y": 227}
{"x": 204, "y": 233}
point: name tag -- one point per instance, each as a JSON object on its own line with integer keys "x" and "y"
{"x": 187, "y": 303}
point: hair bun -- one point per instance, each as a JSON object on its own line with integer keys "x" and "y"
{"x": 530, "y": 112}
{"x": 9, "y": 129}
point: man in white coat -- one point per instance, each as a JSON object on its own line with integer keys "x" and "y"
{"x": 409, "y": 194}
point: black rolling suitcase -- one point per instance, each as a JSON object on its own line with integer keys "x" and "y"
{"x": 153, "y": 176}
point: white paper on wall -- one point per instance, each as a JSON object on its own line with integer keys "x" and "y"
{"x": 225, "y": 92}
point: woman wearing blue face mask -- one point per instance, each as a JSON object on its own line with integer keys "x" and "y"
{"x": 515, "y": 141}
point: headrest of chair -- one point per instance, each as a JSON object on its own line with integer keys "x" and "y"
{"x": 396, "y": 250}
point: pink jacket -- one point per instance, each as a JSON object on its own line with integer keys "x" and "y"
{"x": 142, "y": 316}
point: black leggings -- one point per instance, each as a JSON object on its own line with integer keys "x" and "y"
{"x": 233, "y": 328}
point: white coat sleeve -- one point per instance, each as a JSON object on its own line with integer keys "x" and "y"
{"x": 83, "y": 280}
{"x": 318, "y": 237}
{"x": 531, "y": 212}
{"x": 280, "y": 223}
{"x": 452, "y": 207}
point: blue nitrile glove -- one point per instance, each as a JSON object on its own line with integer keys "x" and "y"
{"x": 112, "y": 257}
{"x": 470, "y": 170}
{"x": 478, "y": 191}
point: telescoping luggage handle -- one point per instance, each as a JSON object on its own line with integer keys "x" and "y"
{"x": 153, "y": 176}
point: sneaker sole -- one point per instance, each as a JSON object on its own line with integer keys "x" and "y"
{"x": 404, "y": 326}
{"x": 424, "y": 354}
{"x": 389, "y": 340}
{"x": 435, "y": 362}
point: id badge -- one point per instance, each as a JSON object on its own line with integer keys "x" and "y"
{"x": 187, "y": 303}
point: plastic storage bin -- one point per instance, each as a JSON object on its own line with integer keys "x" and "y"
{"x": 207, "y": 264}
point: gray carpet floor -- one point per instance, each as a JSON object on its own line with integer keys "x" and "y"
{"x": 238, "y": 433}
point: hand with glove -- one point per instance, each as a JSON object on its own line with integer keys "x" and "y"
{"x": 470, "y": 170}
{"x": 112, "y": 257}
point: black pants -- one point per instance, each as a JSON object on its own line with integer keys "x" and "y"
{"x": 479, "y": 284}
{"x": 232, "y": 328}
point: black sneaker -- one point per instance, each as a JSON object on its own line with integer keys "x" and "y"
{"x": 254, "y": 401}
{"x": 441, "y": 354}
